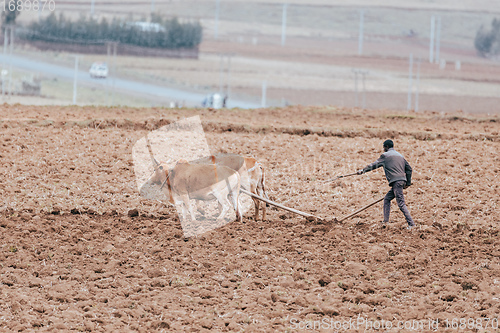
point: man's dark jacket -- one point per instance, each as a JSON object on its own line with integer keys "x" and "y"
{"x": 395, "y": 167}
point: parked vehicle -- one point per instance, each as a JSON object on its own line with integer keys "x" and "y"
{"x": 215, "y": 101}
{"x": 98, "y": 70}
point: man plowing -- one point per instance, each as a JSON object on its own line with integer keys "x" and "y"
{"x": 398, "y": 173}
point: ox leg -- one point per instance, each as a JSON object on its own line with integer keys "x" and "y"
{"x": 263, "y": 194}
{"x": 238, "y": 211}
{"x": 224, "y": 202}
{"x": 200, "y": 208}
{"x": 219, "y": 207}
{"x": 235, "y": 200}
{"x": 191, "y": 211}
{"x": 234, "y": 192}
{"x": 256, "y": 203}
{"x": 187, "y": 205}
{"x": 183, "y": 208}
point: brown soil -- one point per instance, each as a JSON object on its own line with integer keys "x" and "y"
{"x": 81, "y": 250}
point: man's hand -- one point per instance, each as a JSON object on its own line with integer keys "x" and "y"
{"x": 360, "y": 172}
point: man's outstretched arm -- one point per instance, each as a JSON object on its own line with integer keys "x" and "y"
{"x": 375, "y": 165}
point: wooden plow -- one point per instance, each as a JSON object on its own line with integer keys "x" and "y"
{"x": 358, "y": 211}
{"x": 298, "y": 212}
{"x": 339, "y": 177}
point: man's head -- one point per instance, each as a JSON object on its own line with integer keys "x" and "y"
{"x": 388, "y": 144}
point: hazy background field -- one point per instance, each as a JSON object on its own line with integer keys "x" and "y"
{"x": 314, "y": 66}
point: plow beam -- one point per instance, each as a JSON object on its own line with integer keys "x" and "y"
{"x": 298, "y": 212}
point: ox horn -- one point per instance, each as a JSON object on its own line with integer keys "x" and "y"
{"x": 155, "y": 162}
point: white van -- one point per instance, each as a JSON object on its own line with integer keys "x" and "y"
{"x": 98, "y": 70}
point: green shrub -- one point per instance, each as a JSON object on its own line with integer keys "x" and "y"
{"x": 488, "y": 42}
{"x": 171, "y": 34}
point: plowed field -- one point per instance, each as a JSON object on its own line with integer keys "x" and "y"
{"x": 80, "y": 250}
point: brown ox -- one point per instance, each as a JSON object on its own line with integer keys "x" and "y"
{"x": 198, "y": 181}
{"x": 257, "y": 179}
{"x": 251, "y": 172}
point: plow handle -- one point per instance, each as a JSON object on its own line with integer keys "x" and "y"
{"x": 343, "y": 176}
{"x": 361, "y": 209}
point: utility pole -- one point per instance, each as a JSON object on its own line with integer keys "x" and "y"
{"x": 92, "y": 8}
{"x": 5, "y": 41}
{"x": 283, "y": 25}
{"x": 356, "y": 86}
{"x": 363, "y": 74}
{"x": 438, "y": 38}
{"x": 115, "y": 44}
{"x": 361, "y": 27}
{"x": 418, "y": 84}
{"x": 152, "y": 6}
{"x": 221, "y": 70}
{"x": 217, "y": 8}
{"x": 431, "y": 46}
{"x": 225, "y": 88}
{"x": 75, "y": 79}
{"x": 228, "y": 89}
{"x": 264, "y": 90}
{"x": 108, "y": 99}
{"x": 410, "y": 82}
{"x": 10, "y": 58}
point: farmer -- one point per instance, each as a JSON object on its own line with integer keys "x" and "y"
{"x": 398, "y": 173}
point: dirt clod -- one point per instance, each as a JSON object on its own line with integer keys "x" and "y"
{"x": 133, "y": 213}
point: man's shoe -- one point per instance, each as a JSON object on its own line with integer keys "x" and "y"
{"x": 410, "y": 227}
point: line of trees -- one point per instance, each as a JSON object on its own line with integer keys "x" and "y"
{"x": 488, "y": 42}
{"x": 160, "y": 33}
{"x": 9, "y": 15}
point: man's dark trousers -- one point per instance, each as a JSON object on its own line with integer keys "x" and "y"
{"x": 397, "y": 192}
